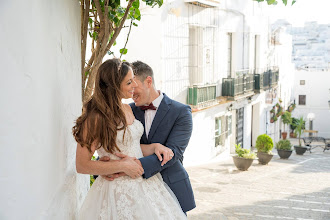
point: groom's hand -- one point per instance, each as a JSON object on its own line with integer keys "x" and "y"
{"x": 110, "y": 177}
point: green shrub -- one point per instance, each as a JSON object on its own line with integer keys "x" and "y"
{"x": 245, "y": 153}
{"x": 264, "y": 144}
{"x": 283, "y": 145}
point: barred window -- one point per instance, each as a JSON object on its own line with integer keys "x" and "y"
{"x": 222, "y": 129}
{"x": 302, "y": 99}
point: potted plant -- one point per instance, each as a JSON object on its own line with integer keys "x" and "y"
{"x": 291, "y": 107}
{"x": 244, "y": 158}
{"x": 279, "y": 111}
{"x": 264, "y": 145}
{"x": 273, "y": 119}
{"x": 284, "y": 149}
{"x": 286, "y": 119}
{"x": 300, "y": 126}
{"x": 292, "y": 127}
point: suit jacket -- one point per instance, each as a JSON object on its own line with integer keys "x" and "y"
{"x": 172, "y": 127}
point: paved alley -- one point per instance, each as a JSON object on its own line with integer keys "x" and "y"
{"x": 297, "y": 188}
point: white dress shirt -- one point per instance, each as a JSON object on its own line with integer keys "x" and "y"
{"x": 149, "y": 114}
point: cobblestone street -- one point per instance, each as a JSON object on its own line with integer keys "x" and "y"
{"x": 297, "y": 188}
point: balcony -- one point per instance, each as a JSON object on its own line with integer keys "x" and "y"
{"x": 266, "y": 79}
{"x": 202, "y": 96}
{"x": 205, "y": 3}
{"x": 240, "y": 86}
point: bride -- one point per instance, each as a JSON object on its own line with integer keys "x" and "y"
{"x": 108, "y": 126}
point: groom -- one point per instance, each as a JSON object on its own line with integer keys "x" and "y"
{"x": 166, "y": 122}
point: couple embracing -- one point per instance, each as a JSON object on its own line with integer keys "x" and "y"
{"x": 140, "y": 145}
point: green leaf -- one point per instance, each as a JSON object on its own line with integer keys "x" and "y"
{"x": 123, "y": 51}
{"x": 271, "y": 2}
{"x": 294, "y": 1}
{"x": 90, "y": 21}
{"x": 86, "y": 73}
{"x": 95, "y": 35}
{"x": 135, "y": 24}
{"x": 136, "y": 4}
{"x": 285, "y": 2}
{"x": 137, "y": 14}
{"x": 109, "y": 52}
{"x": 116, "y": 20}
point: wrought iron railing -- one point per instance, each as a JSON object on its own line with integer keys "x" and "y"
{"x": 241, "y": 84}
{"x": 266, "y": 79}
{"x": 201, "y": 94}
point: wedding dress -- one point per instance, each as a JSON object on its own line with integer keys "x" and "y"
{"x": 126, "y": 198}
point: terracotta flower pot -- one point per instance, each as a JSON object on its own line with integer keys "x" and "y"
{"x": 284, "y": 135}
{"x": 292, "y": 135}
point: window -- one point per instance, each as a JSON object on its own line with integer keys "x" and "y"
{"x": 201, "y": 55}
{"x": 302, "y": 82}
{"x": 222, "y": 129}
{"x": 195, "y": 55}
{"x": 302, "y": 99}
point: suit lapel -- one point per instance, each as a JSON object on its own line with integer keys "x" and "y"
{"x": 139, "y": 115}
{"x": 161, "y": 112}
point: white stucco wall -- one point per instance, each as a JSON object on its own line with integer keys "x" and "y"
{"x": 317, "y": 91}
{"x": 201, "y": 147}
{"x": 40, "y": 98}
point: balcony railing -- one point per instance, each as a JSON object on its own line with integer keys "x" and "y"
{"x": 198, "y": 95}
{"x": 266, "y": 79}
{"x": 240, "y": 85}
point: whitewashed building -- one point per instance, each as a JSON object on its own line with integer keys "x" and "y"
{"x": 312, "y": 95}
{"x": 40, "y": 99}
{"x": 217, "y": 57}
{"x": 311, "y": 46}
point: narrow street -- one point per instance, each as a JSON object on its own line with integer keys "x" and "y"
{"x": 297, "y": 188}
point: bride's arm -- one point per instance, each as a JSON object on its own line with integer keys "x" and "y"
{"x": 147, "y": 149}
{"x": 159, "y": 150}
{"x": 85, "y": 165}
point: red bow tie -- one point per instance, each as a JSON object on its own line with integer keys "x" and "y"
{"x": 146, "y": 107}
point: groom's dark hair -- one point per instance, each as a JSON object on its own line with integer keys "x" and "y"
{"x": 142, "y": 71}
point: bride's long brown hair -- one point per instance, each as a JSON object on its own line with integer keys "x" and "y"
{"x": 103, "y": 114}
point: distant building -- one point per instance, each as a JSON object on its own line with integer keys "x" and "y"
{"x": 311, "y": 46}
{"x": 311, "y": 56}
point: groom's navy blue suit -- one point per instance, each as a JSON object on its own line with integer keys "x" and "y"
{"x": 171, "y": 127}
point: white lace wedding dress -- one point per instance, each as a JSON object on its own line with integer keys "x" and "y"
{"x": 126, "y": 198}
